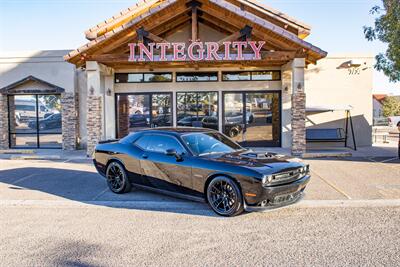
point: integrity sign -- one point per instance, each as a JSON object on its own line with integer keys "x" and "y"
{"x": 196, "y": 51}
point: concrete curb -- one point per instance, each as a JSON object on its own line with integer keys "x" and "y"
{"x": 188, "y": 205}
{"x": 12, "y": 151}
{"x": 35, "y": 157}
{"x": 326, "y": 155}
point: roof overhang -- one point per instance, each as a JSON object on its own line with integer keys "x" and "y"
{"x": 281, "y": 33}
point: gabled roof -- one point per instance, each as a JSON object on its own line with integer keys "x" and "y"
{"x": 270, "y": 25}
{"x": 143, "y": 5}
{"x": 30, "y": 78}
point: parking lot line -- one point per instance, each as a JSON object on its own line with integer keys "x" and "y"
{"x": 332, "y": 185}
{"x": 24, "y": 178}
{"x": 99, "y": 194}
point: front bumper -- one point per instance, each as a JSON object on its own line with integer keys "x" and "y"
{"x": 273, "y": 197}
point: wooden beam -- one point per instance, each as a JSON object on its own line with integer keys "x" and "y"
{"x": 244, "y": 32}
{"x": 194, "y": 5}
{"x": 143, "y": 34}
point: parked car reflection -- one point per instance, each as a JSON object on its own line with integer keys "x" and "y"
{"x": 231, "y": 127}
{"x": 51, "y": 121}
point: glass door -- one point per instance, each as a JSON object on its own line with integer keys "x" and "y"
{"x": 35, "y": 121}
{"x": 253, "y": 118}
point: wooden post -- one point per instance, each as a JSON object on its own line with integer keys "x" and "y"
{"x": 194, "y": 24}
{"x": 194, "y": 5}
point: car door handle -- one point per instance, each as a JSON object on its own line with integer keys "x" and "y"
{"x": 145, "y": 156}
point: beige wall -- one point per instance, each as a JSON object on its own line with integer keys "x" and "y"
{"x": 45, "y": 65}
{"x": 331, "y": 83}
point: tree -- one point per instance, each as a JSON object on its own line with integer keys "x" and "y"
{"x": 391, "y": 106}
{"x": 387, "y": 29}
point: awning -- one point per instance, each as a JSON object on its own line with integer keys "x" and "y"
{"x": 321, "y": 109}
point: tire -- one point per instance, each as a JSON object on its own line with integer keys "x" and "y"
{"x": 117, "y": 179}
{"x": 224, "y": 197}
{"x": 233, "y": 132}
{"x": 42, "y": 126}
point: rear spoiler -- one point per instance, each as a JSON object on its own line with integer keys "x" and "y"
{"x": 108, "y": 141}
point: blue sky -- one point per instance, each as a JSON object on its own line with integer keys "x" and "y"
{"x": 59, "y": 24}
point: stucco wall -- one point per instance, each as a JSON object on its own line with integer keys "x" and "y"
{"x": 45, "y": 65}
{"x": 331, "y": 83}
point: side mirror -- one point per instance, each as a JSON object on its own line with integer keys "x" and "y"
{"x": 172, "y": 152}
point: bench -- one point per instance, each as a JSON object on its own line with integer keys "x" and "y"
{"x": 326, "y": 135}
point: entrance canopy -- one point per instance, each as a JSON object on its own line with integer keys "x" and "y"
{"x": 224, "y": 23}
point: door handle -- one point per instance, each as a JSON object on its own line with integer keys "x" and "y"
{"x": 145, "y": 156}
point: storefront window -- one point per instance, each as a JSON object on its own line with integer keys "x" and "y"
{"x": 142, "y": 77}
{"x": 270, "y": 75}
{"x": 197, "y": 109}
{"x": 265, "y": 75}
{"x": 197, "y": 76}
{"x": 236, "y": 76}
{"x": 138, "y": 111}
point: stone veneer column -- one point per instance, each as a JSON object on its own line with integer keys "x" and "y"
{"x": 298, "y": 108}
{"x": 93, "y": 122}
{"x": 298, "y": 124}
{"x": 3, "y": 122}
{"x": 70, "y": 120}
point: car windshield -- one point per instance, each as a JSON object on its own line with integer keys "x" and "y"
{"x": 210, "y": 143}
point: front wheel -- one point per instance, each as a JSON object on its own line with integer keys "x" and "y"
{"x": 224, "y": 197}
{"x": 117, "y": 179}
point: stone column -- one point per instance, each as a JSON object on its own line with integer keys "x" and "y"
{"x": 298, "y": 108}
{"x": 94, "y": 122}
{"x": 94, "y": 113}
{"x": 3, "y": 122}
{"x": 70, "y": 120}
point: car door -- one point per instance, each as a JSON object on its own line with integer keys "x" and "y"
{"x": 164, "y": 171}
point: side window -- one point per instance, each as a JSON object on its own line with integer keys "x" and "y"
{"x": 142, "y": 142}
{"x": 160, "y": 143}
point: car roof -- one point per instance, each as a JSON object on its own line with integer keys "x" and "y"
{"x": 177, "y": 130}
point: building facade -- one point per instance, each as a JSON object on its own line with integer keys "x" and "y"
{"x": 235, "y": 66}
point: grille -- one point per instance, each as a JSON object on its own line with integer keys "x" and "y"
{"x": 285, "y": 176}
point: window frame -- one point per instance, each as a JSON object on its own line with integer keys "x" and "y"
{"x": 194, "y": 72}
{"x": 143, "y": 75}
{"x": 251, "y": 76}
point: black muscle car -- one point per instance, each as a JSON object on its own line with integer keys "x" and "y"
{"x": 201, "y": 164}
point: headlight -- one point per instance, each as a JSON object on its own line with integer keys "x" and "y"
{"x": 267, "y": 179}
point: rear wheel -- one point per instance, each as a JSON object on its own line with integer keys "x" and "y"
{"x": 117, "y": 179}
{"x": 224, "y": 196}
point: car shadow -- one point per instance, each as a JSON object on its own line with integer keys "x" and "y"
{"x": 90, "y": 188}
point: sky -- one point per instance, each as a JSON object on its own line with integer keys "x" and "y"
{"x": 337, "y": 25}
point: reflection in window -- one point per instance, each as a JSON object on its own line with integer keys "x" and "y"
{"x": 197, "y": 109}
{"x": 138, "y": 111}
{"x": 236, "y": 76}
{"x": 270, "y": 75}
{"x": 266, "y": 75}
{"x": 33, "y": 118}
{"x": 142, "y": 77}
{"x": 197, "y": 76}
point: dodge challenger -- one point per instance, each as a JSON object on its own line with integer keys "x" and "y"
{"x": 201, "y": 164}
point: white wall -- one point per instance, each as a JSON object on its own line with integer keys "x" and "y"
{"x": 330, "y": 83}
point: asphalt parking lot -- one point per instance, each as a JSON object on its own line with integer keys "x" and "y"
{"x": 61, "y": 213}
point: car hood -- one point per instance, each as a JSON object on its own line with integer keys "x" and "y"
{"x": 264, "y": 163}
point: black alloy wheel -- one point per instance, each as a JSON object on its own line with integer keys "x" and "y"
{"x": 224, "y": 196}
{"x": 117, "y": 180}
